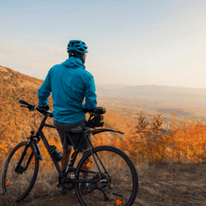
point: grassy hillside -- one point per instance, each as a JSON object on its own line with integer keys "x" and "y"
{"x": 15, "y": 121}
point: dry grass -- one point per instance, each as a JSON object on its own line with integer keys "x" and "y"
{"x": 44, "y": 192}
{"x": 166, "y": 184}
{"x": 172, "y": 184}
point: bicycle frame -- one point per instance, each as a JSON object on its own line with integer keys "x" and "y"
{"x": 40, "y": 135}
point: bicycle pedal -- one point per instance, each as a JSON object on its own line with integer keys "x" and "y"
{"x": 63, "y": 191}
{"x": 59, "y": 185}
{"x": 69, "y": 186}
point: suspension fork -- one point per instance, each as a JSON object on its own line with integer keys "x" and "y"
{"x": 29, "y": 160}
{"x": 17, "y": 169}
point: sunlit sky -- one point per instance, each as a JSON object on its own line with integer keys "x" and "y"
{"x": 131, "y": 42}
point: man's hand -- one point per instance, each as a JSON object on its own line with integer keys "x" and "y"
{"x": 85, "y": 110}
{"x": 46, "y": 108}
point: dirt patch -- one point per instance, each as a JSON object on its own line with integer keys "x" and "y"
{"x": 172, "y": 184}
{"x": 165, "y": 185}
{"x": 27, "y": 83}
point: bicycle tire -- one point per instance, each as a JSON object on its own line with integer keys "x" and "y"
{"x": 18, "y": 191}
{"x": 118, "y": 168}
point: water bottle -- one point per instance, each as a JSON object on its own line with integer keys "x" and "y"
{"x": 55, "y": 152}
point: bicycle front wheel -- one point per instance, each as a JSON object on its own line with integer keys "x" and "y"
{"x": 112, "y": 175}
{"x": 20, "y": 172}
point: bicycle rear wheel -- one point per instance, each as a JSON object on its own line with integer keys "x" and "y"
{"x": 116, "y": 184}
{"x": 18, "y": 179}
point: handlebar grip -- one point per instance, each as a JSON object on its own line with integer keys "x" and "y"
{"x": 97, "y": 110}
{"x": 22, "y": 102}
{"x": 86, "y": 110}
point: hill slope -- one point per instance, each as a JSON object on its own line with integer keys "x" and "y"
{"x": 15, "y": 121}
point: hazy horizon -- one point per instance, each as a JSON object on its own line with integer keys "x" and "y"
{"x": 116, "y": 86}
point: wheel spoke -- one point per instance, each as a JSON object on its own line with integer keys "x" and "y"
{"x": 94, "y": 197}
{"x": 119, "y": 172}
{"x": 20, "y": 182}
{"x": 116, "y": 182}
{"x": 119, "y": 195}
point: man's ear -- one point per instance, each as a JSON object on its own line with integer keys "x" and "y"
{"x": 84, "y": 57}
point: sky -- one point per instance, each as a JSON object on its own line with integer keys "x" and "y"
{"x": 130, "y": 42}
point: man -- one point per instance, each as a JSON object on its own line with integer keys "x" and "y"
{"x": 69, "y": 83}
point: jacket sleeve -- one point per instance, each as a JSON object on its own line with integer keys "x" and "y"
{"x": 90, "y": 94}
{"x": 44, "y": 91}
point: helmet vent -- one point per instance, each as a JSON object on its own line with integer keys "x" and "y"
{"x": 77, "y": 46}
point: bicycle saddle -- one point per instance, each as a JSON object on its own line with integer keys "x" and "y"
{"x": 99, "y": 110}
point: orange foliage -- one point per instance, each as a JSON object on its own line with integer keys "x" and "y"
{"x": 185, "y": 142}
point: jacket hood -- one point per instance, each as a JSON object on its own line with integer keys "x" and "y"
{"x": 73, "y": 63}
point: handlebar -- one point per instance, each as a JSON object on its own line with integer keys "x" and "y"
{"x": 97, "y": 120}
{"x": 97, "y": 110}
{"x": 32, "y": 108}
{"x": 22, "y": 102}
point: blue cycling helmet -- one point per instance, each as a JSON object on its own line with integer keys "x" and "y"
{"x": 77, "y": 46}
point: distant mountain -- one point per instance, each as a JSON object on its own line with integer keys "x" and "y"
{"x": 154, "y": 92}
{"x": 104, "y": 92}
{"x": 111, "y": 86}
{"x": 180, "y": 95}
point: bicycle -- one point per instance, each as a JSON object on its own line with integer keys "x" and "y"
{"x": 104, "y": 174}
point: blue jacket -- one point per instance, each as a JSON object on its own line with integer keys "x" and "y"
{"x": 69, "y": 83}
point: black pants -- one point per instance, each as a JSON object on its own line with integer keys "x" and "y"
{"x": 70, "y": 134}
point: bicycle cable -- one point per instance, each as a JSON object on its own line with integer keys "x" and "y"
{"x": 34, "y": 120}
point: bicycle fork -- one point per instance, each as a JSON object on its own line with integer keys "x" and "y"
{"x": 20, "y": 169}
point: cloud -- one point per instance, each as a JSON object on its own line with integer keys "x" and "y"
{"x": 6, "y": 42}
{"x": 29, "y": 58}
{"x": 51, "y": 48}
